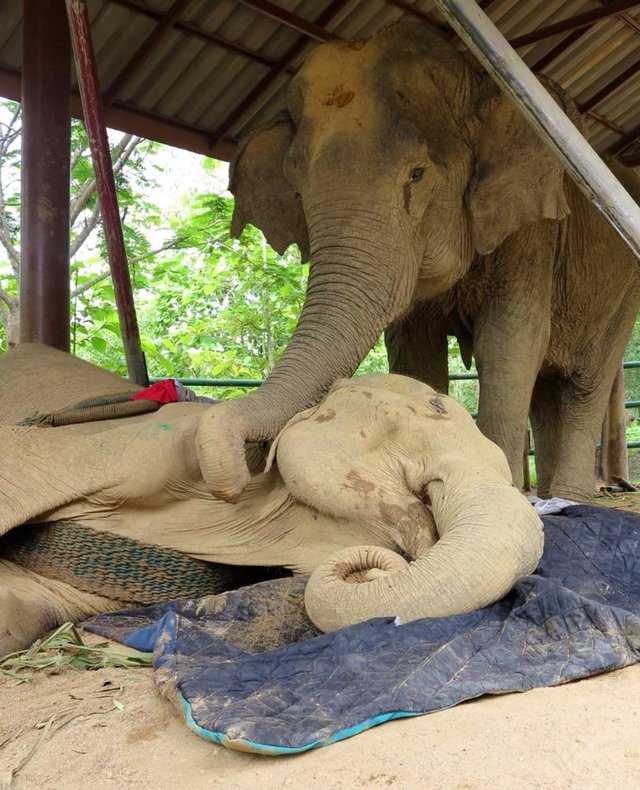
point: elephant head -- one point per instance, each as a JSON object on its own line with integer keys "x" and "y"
{"x": 397, "y": 161}
{"x": 390, "y": 452}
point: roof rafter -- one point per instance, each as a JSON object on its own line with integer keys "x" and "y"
{"x": 162, "y": 29}
{"x": 560, "y": 48}
{"x": 313, "y": 30}
{"x": 585, "y": 19}
{"x": 292, "y": 53}
{"x": 139, "y": 122}
{"x": 193, "y": 30}
{"x": 610, "y": 87}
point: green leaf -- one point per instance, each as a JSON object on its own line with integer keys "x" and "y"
{"x": 98, "y": 343}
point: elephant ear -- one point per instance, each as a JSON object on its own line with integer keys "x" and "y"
{"x": 262, "y": 195}
{"x": 517, "y": 179}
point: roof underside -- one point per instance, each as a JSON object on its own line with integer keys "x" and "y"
{"x": 195, "y": 73}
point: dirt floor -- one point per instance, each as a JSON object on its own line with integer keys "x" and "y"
{"x": 581, "y": 735}
{"x": 111, "y": 729}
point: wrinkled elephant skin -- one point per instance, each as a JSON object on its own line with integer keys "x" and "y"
{"x": 386, "y": 491}
{"x": 416, "y": 187}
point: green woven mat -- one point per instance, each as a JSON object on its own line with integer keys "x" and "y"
{"x": 119, "y": 567}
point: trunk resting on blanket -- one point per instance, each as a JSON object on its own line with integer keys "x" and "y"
{"x": 386, "y": 492}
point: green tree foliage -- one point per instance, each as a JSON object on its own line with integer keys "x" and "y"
{"x": 134, "y": 174}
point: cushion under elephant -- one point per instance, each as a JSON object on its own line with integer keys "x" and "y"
{"x": 428, "y": 206}
{"x": 386, "y": 492}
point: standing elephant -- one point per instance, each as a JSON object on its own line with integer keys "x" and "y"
{"x": 386, "y": 491}
{"x": 402, "y": 170}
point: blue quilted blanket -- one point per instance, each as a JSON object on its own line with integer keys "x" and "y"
{"x": 249, "y": 671}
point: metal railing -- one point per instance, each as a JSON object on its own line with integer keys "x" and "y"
{"x": 471, "y": 376}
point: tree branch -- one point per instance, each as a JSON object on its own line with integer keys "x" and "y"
{"x": 86, "y": 231}
{"x": 10, "y": 135}
{"x": 76, "y": 158}
{"x": 90, "y": 283}
{"x": 10, "y": 301}
{"x": 169, "y": 245}
{"x": 121, "y": 154}
{"x": 5, "y": 233}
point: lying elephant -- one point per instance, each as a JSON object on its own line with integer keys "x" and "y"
{"x": 386, "y": 492}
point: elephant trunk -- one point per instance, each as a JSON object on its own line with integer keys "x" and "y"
{"x": 351, "y": 297}
{"x": 490, "y": 537}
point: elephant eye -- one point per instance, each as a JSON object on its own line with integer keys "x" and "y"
{"x": 416, "y": 174}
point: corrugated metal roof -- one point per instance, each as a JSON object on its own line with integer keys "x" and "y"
{"x": 223, "y": 66}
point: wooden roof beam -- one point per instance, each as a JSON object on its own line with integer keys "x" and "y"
{"x": 287, "y": 18}
{"x": 162, "y": 29}
{"x": 613, "y": 127}
{"x": 627, "y": 141}
{"x": 292, "y": 53}
{"x": 585, "y": 19}
{"x": 610, "y": 87}
{"x": 560, "y": 48}
{"x": 145, "y": 124}
{"x": 188, "y": 28}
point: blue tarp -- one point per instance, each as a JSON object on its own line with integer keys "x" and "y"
{"x": 248, "y": 669}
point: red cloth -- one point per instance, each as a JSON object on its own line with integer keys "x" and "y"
{"x": 162, "y": 392}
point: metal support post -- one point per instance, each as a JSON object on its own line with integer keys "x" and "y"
{"x": 44, "y": 269}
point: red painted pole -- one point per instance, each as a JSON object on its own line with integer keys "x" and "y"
{"x": 106, "y": 187}
{"x": 44, "y": 268}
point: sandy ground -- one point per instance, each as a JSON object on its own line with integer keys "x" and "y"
{"x": 580, "y": 735}
{"x": 119, "y": 733}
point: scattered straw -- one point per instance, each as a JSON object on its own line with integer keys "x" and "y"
{"x": 97, "y": 702}
{"x": 65, "y": 648}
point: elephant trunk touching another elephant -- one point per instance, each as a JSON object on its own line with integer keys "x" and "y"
{"x": 428, "y": 206}
{"x": 383, "y": 462}
{"x": 351, "y": 297}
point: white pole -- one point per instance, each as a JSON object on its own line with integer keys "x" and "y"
{"x": 507, "y": 68}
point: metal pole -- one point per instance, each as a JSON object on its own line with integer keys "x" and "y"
{"x": 511, "y": 73}
{"x": 44, "y": 269}
{"x": 79, "y": 26}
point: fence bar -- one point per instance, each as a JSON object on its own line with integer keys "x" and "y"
{"x": 248, "y": 383}
{"x": 93, "y": 111}
{"x": 507, "y": 68}
{"x": 46, "y": 96}
{"x": 200, "y": 382}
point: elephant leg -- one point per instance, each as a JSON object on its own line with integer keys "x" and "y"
{"x": 507, "y": 369}
{"x": 511, "y": 338}
{"x": 572, "y": 435}
{"x": 417, "y": 347}
{"x": 545, "y": 421}
{"x": 31, "y": 605}
{"x": 582, "y": 403}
